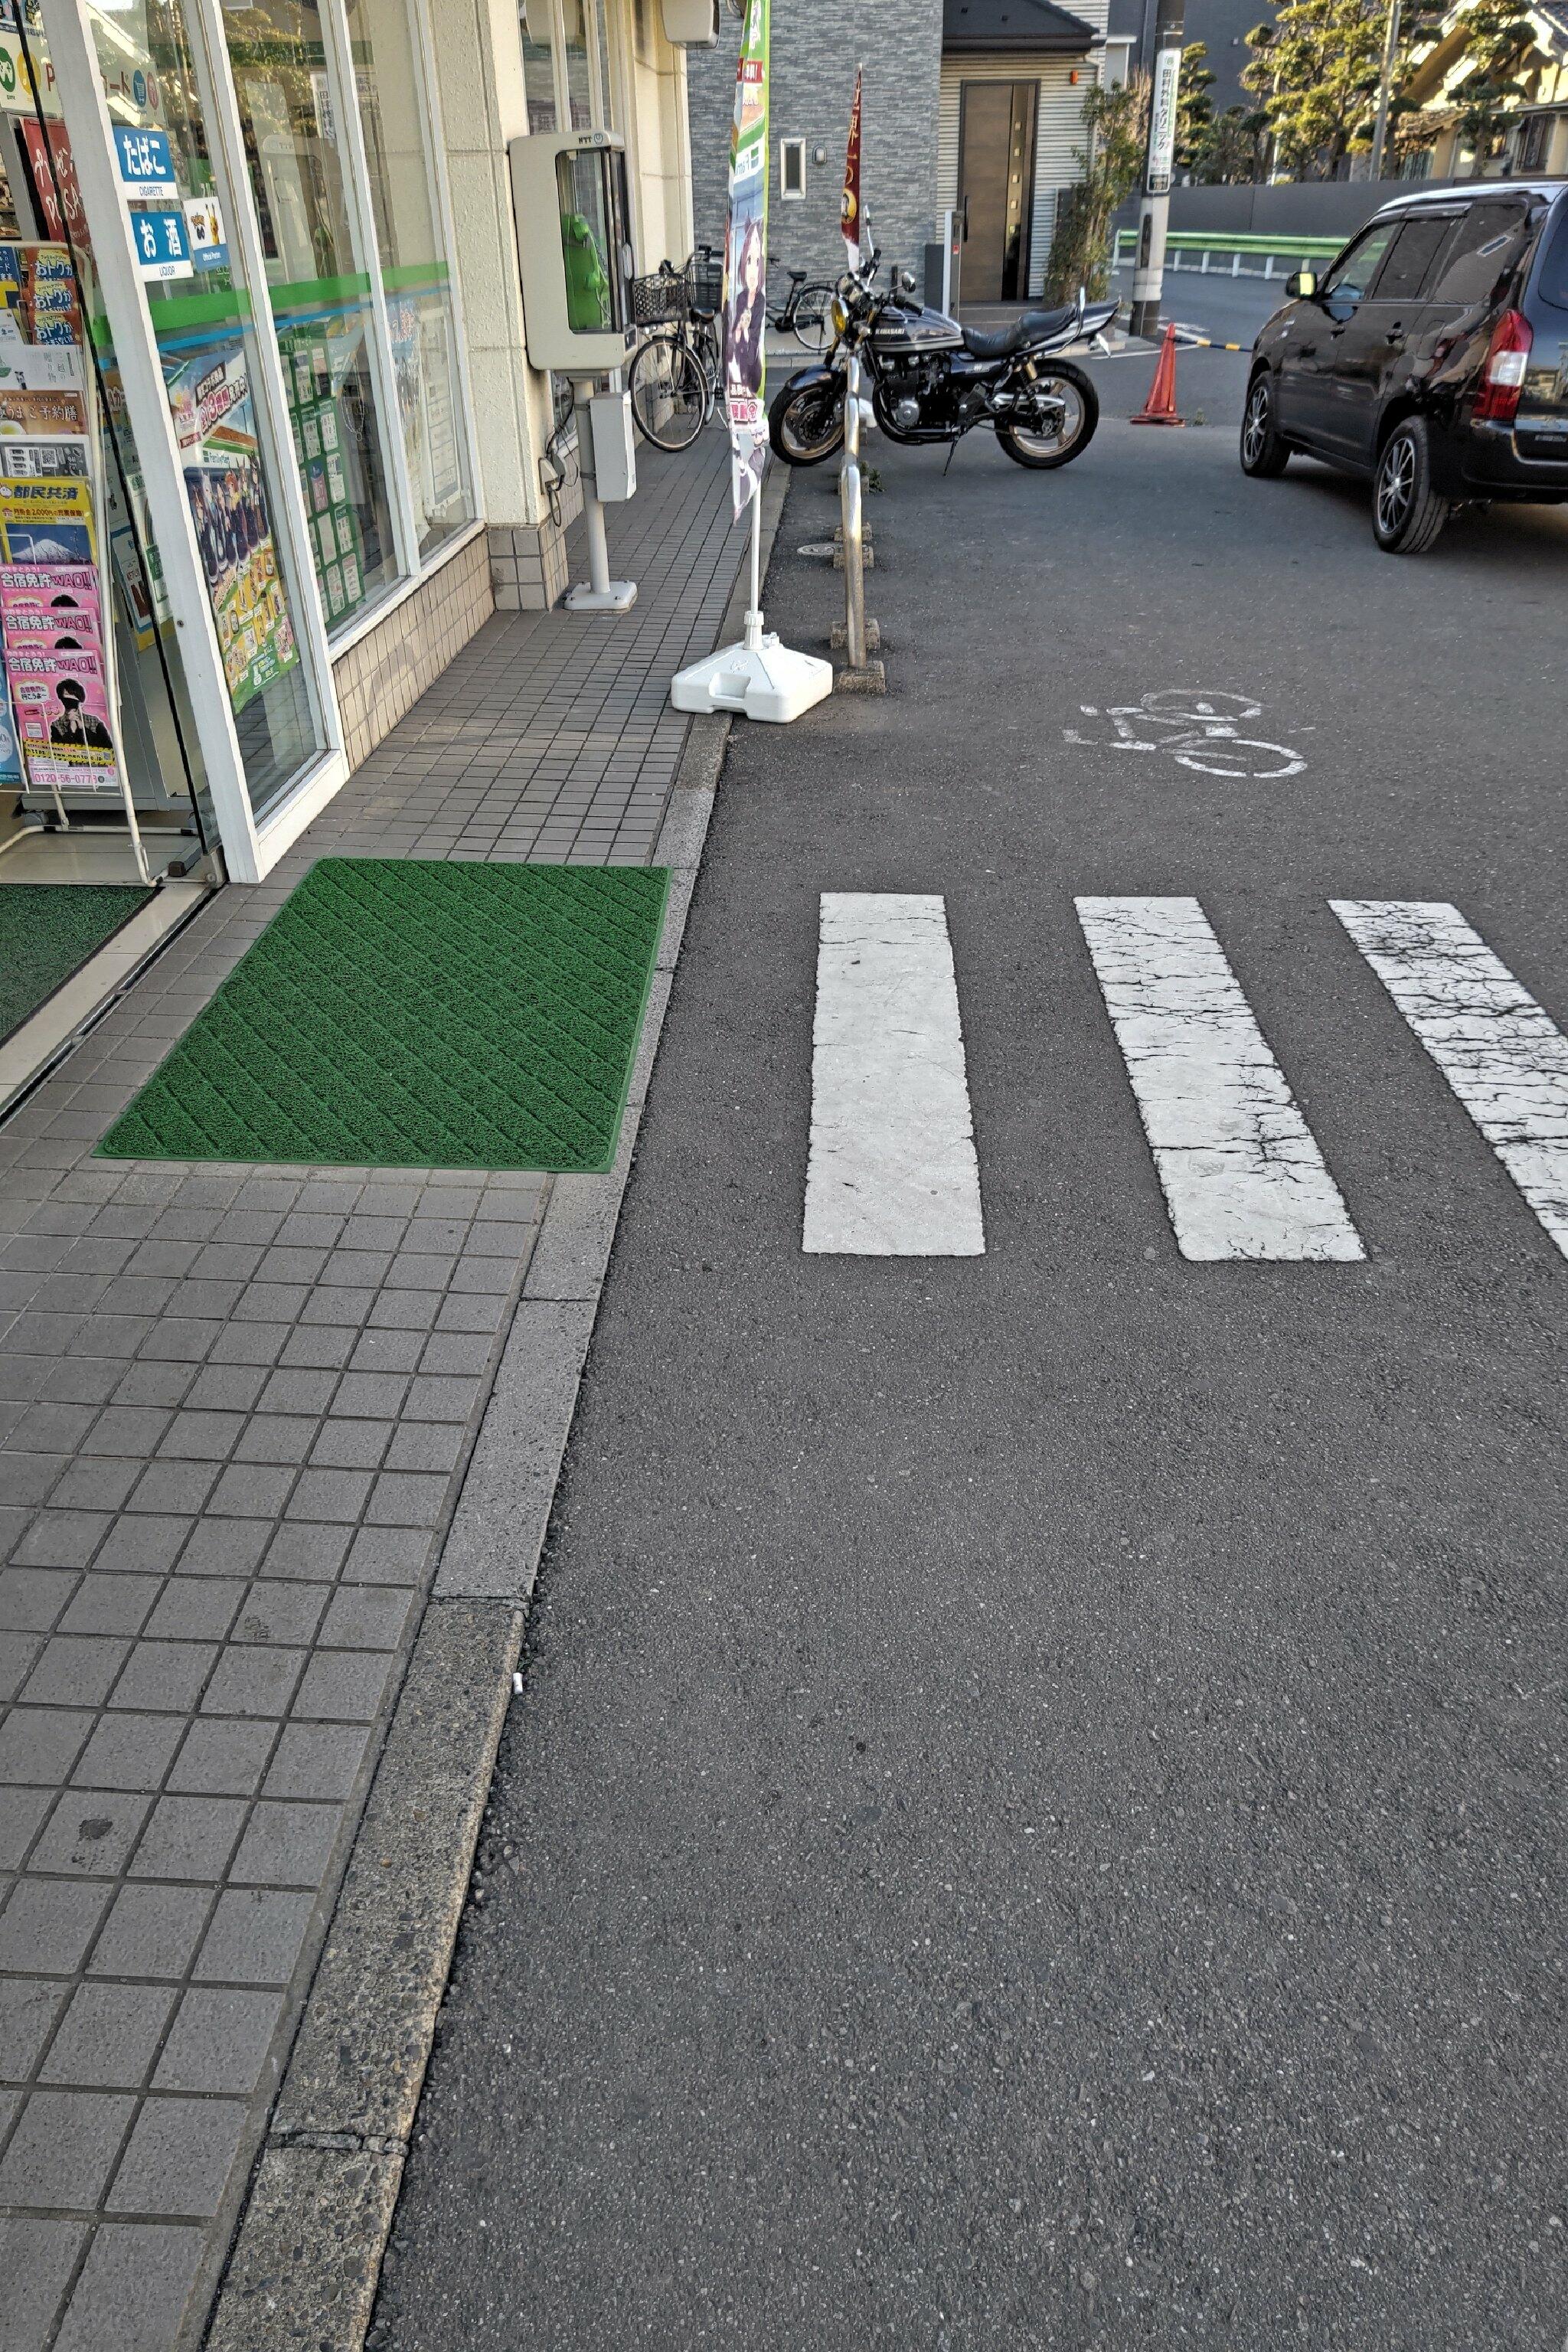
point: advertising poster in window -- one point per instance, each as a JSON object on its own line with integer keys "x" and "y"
{"x": 214, "y": 425}
{"x": 422, "y": 357}
{"x": 317, "y": 362}
{"x": 746, "y": 263}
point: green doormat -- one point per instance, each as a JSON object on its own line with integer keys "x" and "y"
{"x": 397, "y": 1013}
{"x": 47, "y": 929}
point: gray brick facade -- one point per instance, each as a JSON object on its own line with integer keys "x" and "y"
{"x": 815, "y": 49}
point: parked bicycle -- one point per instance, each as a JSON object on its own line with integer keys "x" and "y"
{"x": 675, "y": 375}
{"x": 805, "y": 311}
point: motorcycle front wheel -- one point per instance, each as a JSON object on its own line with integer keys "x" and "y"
{"x": 805, "y": 423}
{"x": 1063, "y": 409}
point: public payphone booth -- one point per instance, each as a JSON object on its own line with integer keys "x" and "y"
{"x": 573, "y": 242}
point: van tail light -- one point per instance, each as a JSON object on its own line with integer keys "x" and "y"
{"x": 1508, "y": 356}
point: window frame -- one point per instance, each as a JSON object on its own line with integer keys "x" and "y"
{"x": 788, "y": 196}
{"x": 1433, "y": 217}
{"x": 252, "y": 843}
{"x": 1332, "y": 293}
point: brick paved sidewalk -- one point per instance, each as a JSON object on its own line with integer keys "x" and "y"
{"x": 232, "y": 1402}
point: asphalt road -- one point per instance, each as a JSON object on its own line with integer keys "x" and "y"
{"x": 1035, "y": 1817}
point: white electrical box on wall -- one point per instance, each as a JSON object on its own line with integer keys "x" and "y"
{"x": 692, "y": 23}
{"x": 614, "y": 451}
{"x": 568, "y": 202}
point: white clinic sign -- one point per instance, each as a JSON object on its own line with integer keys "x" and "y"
{"x": 1163, "y": 120}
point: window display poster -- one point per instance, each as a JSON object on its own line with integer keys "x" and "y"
{"x": 61, "y": 704}
{"x": 422, "y": 357}
{"x": 53, "y": 169}
{"x": 316, "y": 362}
{"x": 215, "y": 424}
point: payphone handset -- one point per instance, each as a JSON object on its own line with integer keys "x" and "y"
{"x": 569, "y": 200}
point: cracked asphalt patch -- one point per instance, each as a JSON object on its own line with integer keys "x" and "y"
{"x": 1035, "y": 1815}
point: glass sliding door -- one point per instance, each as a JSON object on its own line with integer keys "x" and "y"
{"x": 414, "y": 276}
{"x": 319, "y": 283}
{"x": 206, "y": 337}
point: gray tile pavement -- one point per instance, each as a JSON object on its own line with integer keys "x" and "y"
{"x": 235, "y": 1401}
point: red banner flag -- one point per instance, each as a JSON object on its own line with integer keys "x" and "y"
{"x": 849, "y": 209}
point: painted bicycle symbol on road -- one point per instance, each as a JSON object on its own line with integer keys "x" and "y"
{"x": 1198, "y": 730}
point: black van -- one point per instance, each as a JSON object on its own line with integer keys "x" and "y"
{"x": 1432, "y": 355}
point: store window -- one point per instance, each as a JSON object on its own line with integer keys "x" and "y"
{"x": 414, "y": 276}
{"x": 317, "y": 276}
{"x": 538, "y": 64}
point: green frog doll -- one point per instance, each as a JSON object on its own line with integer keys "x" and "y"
{"x": 587, "y": 280}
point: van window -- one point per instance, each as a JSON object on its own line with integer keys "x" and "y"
{"x": 1554, "y": 262}
{"x": 1487, "y": 247}
{"x": 1404, "y": 275}
{"x": 1354, "y": 271}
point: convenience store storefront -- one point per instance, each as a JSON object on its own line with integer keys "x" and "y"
{"x": 270, "y": 447}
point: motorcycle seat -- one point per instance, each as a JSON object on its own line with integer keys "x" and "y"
{"x": 1031, "y": 328}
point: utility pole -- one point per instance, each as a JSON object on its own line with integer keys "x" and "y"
{"x": 1390, "y": 47}
{"x": 1149, "y": 270}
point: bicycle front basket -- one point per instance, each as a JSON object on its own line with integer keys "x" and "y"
{"x": 657, "y": 299}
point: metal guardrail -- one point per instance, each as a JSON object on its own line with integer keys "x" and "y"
{"x": 1242, "y": 245}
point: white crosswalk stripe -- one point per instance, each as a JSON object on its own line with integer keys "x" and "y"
{"x": 1242, "y": 1177}
{"x": 892, "y": 1170}
{"x": 1504, "y": 1057}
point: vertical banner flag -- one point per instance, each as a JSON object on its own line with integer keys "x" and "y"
{"x": 746, "y": 261}
{"x": 849, "y": 209}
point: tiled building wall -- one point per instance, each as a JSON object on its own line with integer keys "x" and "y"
{"x": 527, "y": 560}
{"x": 384, "y": 675}
{"x": 815, "y": 54}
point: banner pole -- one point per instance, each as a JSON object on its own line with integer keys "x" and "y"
{"x": 754, "y": 613}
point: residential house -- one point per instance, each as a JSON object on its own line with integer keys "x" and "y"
{"x": 972, "y": 105}
{"x": 1531, "y": 130}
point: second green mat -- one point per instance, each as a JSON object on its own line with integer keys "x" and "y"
{"x": 404, "y": 1014}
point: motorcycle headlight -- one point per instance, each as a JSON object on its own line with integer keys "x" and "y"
{"x": 837, "y": 316}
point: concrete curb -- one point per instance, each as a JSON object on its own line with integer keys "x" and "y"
{"x": 308, "y": 2251}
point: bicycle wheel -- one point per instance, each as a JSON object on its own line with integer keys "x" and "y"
{"x": 810, "y": 321}
{"x": 670, "y": 392}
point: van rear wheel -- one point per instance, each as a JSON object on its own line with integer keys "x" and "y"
{"x": 1406, "y": 512}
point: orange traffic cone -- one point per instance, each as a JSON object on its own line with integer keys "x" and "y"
{"x": 1160, "y": 408}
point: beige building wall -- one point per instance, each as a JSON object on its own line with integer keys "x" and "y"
{"x": 479, "y": 59}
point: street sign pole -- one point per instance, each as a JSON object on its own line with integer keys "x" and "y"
{"x": 1390, "y": 51}
{"x": 1149, "y": 270}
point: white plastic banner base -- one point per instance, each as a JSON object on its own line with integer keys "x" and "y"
{"x": 615, "y": 596}
{"x": 759, "y": 678}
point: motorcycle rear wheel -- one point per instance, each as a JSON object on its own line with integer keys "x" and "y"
{"x": 1058, "y": 380}
{"x": 805, "y": 423}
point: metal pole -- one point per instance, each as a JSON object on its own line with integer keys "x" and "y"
{"x": 593, "y": 512}
{"x": 1149, "y": 273}
{"x": 754, "y": 637}
{"x": 1391, "y": 46}
{"x": 849, "y": 513}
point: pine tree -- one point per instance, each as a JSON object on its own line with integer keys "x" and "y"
{"x": 1316, "y": 70}
{"x": 1496, "y": 35}
{"x": 1194, "y": 108}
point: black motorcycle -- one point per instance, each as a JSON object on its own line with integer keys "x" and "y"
{"x": 932, "y": 380}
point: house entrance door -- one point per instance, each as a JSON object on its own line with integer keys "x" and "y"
{"x": 996, "y": 187}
